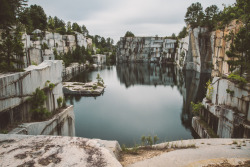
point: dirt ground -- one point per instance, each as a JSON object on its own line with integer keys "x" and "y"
{"x": 142, "y": 154}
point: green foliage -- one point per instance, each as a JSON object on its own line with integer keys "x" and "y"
{"x": 33, "y": 18}
{"x": 51, "y": 86}
{"x": 34, "y": 63}
{"x": 76, "y": 27}
{"x": 59, "y": 102}
{"x": 240, "y": 51}
{"x": 143, "y": 140}
{"x": 196, "y": 108}
{"x": 11, "y": 50}
{"x": 238, "y": 79}
{"x": 149, "y": 140}
{"x": 194, "y": 15}
{"x": 210, "y": 89}
{"x": 9, "y": 10}
{"x": 156, "y": 138}
{"x": 44, "y": 46}
{"x": 94, "y": 87}
{"x": 64, "y": 103}
{"x": 100, "y": 81}
{"x": 37, "y": 105}
{"x": 133, "y": 150}
{"x": 183, "y": 33}
{"x": 231, "y": 92}
{"x": 129, "y": 34}
{"x": 211, "y": 17}
{"x": 3, "y": 132}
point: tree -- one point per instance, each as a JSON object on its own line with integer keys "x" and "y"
{"x": 173, "y": 36}
{"x": 9, "y": 9}
{"x": 239, "y": 49}
{"x": 211, "y": 16}
{"x": 11, "y": 46}
{"x": 183, "y": 33}
{"x": 51, "y": 24}
{"x": 38, "y": 17}
{"x": 33, "y": 18}
{"x": 84, "y": 30}
{"x": 129, "y": 34}
{"x": 194, "y": 15}
{"x": 76, "y": 27}
{"x": 69, "y": 28}
{"x": 11, "y": 51}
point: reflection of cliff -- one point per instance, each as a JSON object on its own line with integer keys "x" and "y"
{"x": 193, "y": 90}
{"x": 146, "y": 74}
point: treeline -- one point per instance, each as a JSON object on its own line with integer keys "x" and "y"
{"x": 214, "y": 19}
{"x": 16, "y": 18}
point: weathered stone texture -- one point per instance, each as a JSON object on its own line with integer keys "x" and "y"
{"x": 19, "y": 150}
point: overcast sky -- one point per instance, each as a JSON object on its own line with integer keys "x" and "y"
{"x": 112, "y": 18}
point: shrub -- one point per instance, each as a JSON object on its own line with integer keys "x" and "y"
{"x": 196, "y": 108}
{"x": 156, "y": 138}
{"x": 59, "y": 102}
{"x": 51, "y": 86}
{"x": 143, "y": 140}
{"x": 238, "y": 79}
{"x": 209, "y": 90}
{"x": 231, "y": 92}
{"x": 37, "y": 102}
{"x": 94, "y": 87}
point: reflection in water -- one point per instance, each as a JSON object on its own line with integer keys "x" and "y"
{"x": 146, "y": 74}
{"x": 155, "y": 100}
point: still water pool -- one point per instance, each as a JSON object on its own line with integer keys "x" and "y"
{"x": 140, "y": 99}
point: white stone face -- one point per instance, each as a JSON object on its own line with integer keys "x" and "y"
{"x": 139, "y": 48}
{"x": 17, "y": 87}
{"x": 66, "y": 119}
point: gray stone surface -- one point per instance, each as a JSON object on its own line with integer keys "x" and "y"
{"x": 62, "y": 124}
{"x": 20, "y": 150}
{"x": 207, "y": 151}
{"x": 85, "y": 89}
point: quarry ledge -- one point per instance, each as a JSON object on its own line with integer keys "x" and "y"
{"x": 75, "y": 151}
{"x": 84, "y": 89}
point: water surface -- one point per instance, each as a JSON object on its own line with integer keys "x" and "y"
{"x": 140, "y": 99}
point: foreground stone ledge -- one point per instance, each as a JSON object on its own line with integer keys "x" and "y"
{"x": 23, "y": 150}
{"x": 205, "y": 152}
{"x": 62, "y": 123}
{"x": 84, "y": 89}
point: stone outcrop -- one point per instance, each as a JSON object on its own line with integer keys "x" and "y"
{"x": 220, "y": 45}
{"x": 19, "y": 150}
{"x": 200, "y": 152}
{"x": 16, "y": 88}
{"x": 84, "y": 89}
{"x": 62, "y": 124}
{"x": 228, "y": 114}
{"x": 194, "y": 51}
{"x": 35, "y": 54}
{"x": 72, "y": 70}
{"x": 146, "y": 49}
{"x": 205, "y": 51}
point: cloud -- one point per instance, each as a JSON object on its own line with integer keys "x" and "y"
{"x": 112, "y": 18}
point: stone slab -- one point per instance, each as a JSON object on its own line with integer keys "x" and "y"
{"x": 18, "y": 150}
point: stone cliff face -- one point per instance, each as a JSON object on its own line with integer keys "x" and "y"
{"x": 35, "y": 54}
{"x": 228, "y": 114}
{"x": 146, "y": 49}
{"x": 194, "y": 51}
{"x": 220, "y": 45}
{"x": 16, "y": 88}
{"x": 205, "y": 51}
